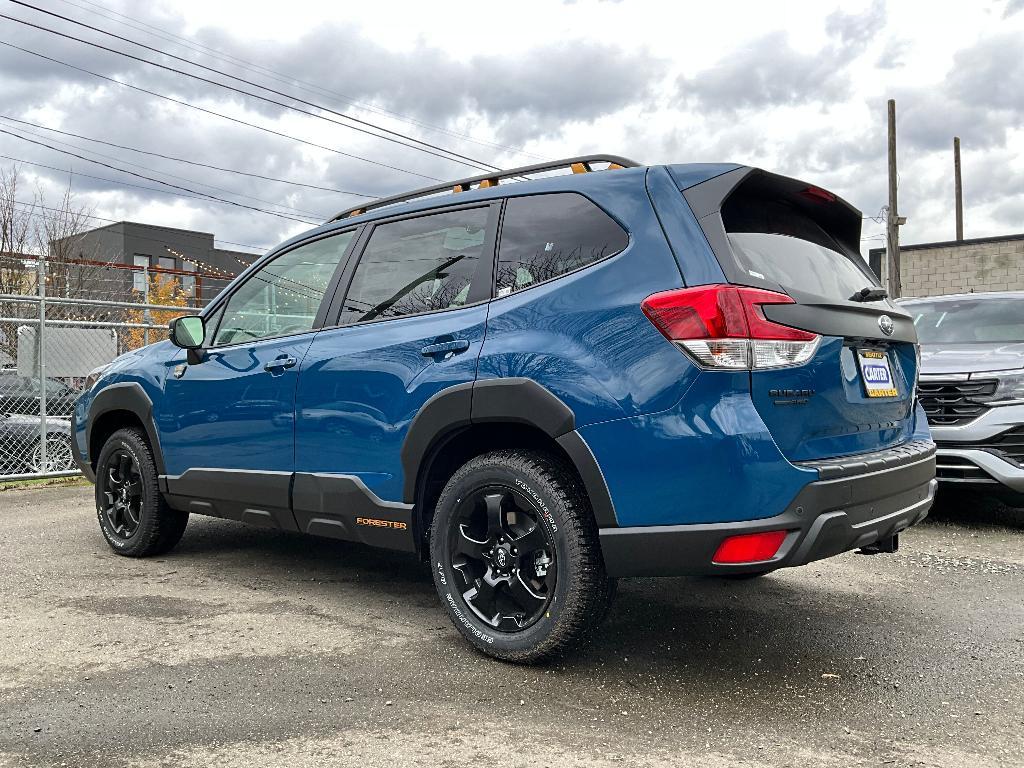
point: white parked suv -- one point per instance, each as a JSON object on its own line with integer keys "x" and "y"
{"x": 972, "y": 387}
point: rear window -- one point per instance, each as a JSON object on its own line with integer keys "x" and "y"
{"x": 970, "y": 320}
{"x": 777, "y": 242}
{"x": 545, "y": 236}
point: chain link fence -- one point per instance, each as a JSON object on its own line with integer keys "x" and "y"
{"x": 50, "y": 344}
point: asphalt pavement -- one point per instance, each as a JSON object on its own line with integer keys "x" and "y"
{"x": 247, "y": 647}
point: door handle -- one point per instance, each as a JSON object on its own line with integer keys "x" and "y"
{"x": 280, "y": 364}
{"x": 444, "y": 347}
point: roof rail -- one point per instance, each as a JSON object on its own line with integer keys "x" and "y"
{"x": 580, "y": 164}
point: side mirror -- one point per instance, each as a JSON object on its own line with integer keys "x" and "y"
{"x": 187, "y": 332}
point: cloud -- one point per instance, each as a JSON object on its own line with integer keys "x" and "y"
{"x": 1012, "y": 7}
{"x": 769, "y": 72}
{"x": 856, "y": 29}
{"x": 979, "y": 99}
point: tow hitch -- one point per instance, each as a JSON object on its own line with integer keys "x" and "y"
{"x": 886, "y": 546}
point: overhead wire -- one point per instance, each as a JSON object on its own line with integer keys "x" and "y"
{"x": 304, "y": 85}
{"x": 194, "y": 194}
{"x": 394, "y": 137}
{"x": 122, "y": 221}
{"x": 196, "y": 107}
{"x": 165, "y": 173}
{"x": 187, "y": 161}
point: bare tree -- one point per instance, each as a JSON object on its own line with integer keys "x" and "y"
{"x": 31, "y": 228}
{"x": 16, "y": 268}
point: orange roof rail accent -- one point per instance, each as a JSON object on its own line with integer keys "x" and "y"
{"x": 579, "y": 164}
{"x": 614, "y": 167}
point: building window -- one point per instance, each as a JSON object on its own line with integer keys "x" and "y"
{"x": 139, "y": 275}
{"x": 188, "y": 282}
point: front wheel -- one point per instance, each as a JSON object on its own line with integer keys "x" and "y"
{"x": 58, "y": 455}
{"x": 134, "y": 518}
{"x": 516, "y": 558}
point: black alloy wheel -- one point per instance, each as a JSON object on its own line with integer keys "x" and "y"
{"x": 503, "y": 558}
{"x": 122, "y": 493}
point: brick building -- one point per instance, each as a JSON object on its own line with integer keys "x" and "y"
{"x": 965, "y": 266}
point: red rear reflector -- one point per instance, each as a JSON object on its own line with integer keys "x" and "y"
{"x": 750, "y": 547}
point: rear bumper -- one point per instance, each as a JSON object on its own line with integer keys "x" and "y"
{"x": 856, "y": 503}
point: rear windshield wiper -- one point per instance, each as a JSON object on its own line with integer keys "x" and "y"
{"x": 869, "y": 294}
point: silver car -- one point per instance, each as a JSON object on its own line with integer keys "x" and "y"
{"x": 972, "y": 387}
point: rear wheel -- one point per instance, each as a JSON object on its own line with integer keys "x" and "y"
{"x": 516, "y": 558}
{"x": 133, "y": 516}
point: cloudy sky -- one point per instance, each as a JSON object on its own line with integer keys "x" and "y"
{"x": 800, "y": 91}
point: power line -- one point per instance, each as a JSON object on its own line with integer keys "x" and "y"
{"x": 195, "y": 195}
{"x": 211, "y": 112}
{"x": 431, "y": 149}
{"x": 189, "y": 162}
{"x": 303, "y": 85}
{"x": 122, "y": 221}
{"x": 165, "y": 173}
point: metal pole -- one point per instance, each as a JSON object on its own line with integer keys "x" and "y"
{"x": 146, "y": 315}
{"x": 959, "y": 190}
{"x": 41, "y": 360}
{"x": 892, "y": 220}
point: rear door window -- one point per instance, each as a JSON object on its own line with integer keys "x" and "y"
{"x": 545, "y": 236}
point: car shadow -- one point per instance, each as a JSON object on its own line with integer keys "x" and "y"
{"x": 973, "y": 509}
{"x": 789, "y": 636}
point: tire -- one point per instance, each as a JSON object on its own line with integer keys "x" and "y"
{"x": 133, "y": 516}
{"x": 548, "y": 597}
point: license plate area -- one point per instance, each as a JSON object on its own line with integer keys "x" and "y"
{"x": 876, "y": 373}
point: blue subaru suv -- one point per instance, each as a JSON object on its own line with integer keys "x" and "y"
{"x": 538, "y": 382}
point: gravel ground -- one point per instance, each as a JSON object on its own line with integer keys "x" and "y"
{"x": 250, "y": 647}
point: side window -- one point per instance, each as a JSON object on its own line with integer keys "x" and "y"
{"x": 544, "y": 236}
{"x": 284, "y": 295}
{"x": 417, "y": 265}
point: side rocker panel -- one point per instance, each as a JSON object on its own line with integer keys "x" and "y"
{"x": 342, "y": 507}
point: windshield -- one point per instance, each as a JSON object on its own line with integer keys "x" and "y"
{"x": 799, "y": 264}
{"x": 969, "y": 320}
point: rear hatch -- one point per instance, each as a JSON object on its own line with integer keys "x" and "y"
{"x": 855, "y": 394}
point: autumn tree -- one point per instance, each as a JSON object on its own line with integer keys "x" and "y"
{"x": 163, "y": 290}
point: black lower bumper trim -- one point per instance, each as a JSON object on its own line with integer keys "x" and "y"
{"x": 826, "y": 518}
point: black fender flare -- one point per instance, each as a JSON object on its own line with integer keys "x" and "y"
{"x": 510, "y": 400}
{"x": 126, "y": 396}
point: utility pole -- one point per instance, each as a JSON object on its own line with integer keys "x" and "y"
{"x": 892, "y": 219}
{"x": 959, "y": 190}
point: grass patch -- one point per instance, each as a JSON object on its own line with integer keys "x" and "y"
{"x": 43, "y": 483}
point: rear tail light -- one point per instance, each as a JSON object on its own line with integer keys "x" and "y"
{"x": 749, "y": 548}
{"x": 724, "y": 327}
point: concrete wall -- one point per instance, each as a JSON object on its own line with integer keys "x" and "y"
{"x": 990, "y": 264}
